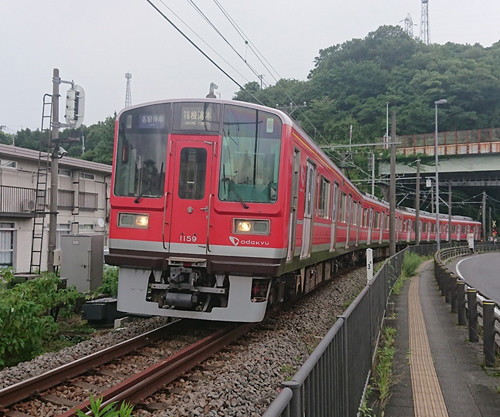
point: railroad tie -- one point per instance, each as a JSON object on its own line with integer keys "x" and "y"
{"x": 428, "y": 398}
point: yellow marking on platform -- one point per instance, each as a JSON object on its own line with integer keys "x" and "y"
{"x": 428, "y": 399}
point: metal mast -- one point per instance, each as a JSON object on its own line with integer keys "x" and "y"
{"x": 425, "y": 36}
{"x": 128, "y": 92}
{"x": 409, "y": 25}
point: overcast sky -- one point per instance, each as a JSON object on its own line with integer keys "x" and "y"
{"x": 95, "y": 42}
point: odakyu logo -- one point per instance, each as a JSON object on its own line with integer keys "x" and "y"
{"x": 249, "y": 242}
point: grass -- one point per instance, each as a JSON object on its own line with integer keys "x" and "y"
{"x": 385, "y": 359}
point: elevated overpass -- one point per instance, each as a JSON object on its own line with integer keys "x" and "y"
{"x": 469, "y": 164}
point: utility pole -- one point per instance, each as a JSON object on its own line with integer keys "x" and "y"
{"x": 392, "y": 189}
{"x": 54, "y": 170}
{"x": 417, "y": 205}
{"x": 449, "y": 211}
{"x": 490, "y": 232}
{"x": 484, "y": 215}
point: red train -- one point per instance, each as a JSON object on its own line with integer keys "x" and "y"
{"x": 221, "y": 208}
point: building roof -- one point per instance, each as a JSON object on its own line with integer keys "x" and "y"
{"x": 15, "y": 152}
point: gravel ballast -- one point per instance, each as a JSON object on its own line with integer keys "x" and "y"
{"x": 243, "y": 379}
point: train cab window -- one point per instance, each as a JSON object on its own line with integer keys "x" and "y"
{"x": 250, "y": 155}
{"x": 141, "y": 151}
{"x": 192, "y": 173}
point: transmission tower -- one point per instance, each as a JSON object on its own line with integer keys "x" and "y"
{"x": 128, "y": 92}
{"x": 409, "y": 25}
{"x": 425, "y": 36}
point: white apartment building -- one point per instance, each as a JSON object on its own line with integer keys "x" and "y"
{"x": 83, "y": 203}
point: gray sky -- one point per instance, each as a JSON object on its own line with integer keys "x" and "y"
{"x": 95, "y": 42}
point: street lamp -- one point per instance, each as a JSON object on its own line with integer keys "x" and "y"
{"x": 438, "y": 237}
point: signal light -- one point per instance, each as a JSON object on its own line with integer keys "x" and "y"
{"x": 75, "y": 106}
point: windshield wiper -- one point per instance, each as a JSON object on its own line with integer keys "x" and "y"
{"x": 229, "y": 181}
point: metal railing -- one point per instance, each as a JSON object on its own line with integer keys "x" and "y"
{"x": 461, "y": 142}
{"x": 333, "y": 379}
{"x": 472, "y": 307}
{"x": 17, "y": 200}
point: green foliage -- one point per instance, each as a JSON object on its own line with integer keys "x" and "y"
{"x": 109, "y": 281}
{"x": 382, "y": 377}
{"x": 411, "y": 262}
{"x": 27, "y": 315}
{"x": 109, "y": 410}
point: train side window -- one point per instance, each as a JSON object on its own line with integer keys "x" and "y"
{"x": 342, "y": 208}
{"x": 192, "y": 173}
{"x": 324, "y": 198}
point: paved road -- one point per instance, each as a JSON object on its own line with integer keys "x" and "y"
{"x": 483, "y": 273}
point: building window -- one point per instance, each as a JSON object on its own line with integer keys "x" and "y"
{"x": 6, "y": 244}
{"x": 86, "y": 228}
{"x": 87, "y": 201}
{"x": 6, "y": 163}
{"x": 86, "y": 176}
{"x": 65, "y": 199}
{"x": 65, "y": 173}
{"x": 62, "y": 229}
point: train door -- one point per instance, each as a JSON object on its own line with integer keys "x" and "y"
{"x": 292, "y": 231}
{"x": 188, "y": 206}
{"x": 333, "y": 230}
{"x": 370, "y": 225}
{"x": 307, "y": 225}
{"x": 381, "y": 225}
{"x": 359, "y": 217}
{"x": 348, "y": 221}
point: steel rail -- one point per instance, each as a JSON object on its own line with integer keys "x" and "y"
{"x": 145, "y": 383}
{"x": 27, "y": 388}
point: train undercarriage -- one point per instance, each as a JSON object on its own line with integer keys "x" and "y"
{"x": 185, "y": 289}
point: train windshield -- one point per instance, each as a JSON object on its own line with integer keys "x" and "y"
{"x": 251, "y": 143}
{"x": 141, "y": 152}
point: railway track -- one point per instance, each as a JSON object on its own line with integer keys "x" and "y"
{"x": 140, "y": 371}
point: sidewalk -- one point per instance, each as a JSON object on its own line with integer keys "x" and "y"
{"x": 446, "y": 378}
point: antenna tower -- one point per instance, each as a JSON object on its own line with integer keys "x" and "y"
{"x": 128, "y": 92}
{"x": 409, "y": 25}
{"x": 425, "y": 36}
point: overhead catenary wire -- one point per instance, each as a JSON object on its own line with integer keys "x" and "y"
{"x": 224, "y": 38}
{"x": 200, "y": 50}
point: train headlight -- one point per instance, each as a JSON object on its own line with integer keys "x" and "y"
{"x": 139, "y": 221}
{"x": 252, "y": 227}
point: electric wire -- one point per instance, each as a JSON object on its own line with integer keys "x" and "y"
{"x": 212, "y": 25}
{"x": 203, "y": 40}
{"x": 200, "y": 50}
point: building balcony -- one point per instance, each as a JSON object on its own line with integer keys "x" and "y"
{"x": 16, "y": 201}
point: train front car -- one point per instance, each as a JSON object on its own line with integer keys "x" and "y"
{"x": 194, "y": 201}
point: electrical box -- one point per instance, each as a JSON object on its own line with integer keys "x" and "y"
{"x": 82, "y": 259}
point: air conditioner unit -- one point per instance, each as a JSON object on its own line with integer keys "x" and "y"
{"x": 27, "y": 205}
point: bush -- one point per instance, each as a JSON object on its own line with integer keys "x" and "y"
{"x": 27, "y": 316}
{"x": 411, "y": 262}
{"x": 109, "y": 281}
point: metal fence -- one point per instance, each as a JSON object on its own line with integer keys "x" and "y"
{"x": 473, "y": 308}
{"x": 16, "y": 199}
{"x": 333, "y": 379}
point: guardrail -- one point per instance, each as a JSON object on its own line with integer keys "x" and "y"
{"x": 472, "y": 307}
{"x": 332, "y": 381}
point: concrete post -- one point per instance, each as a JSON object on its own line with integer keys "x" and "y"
{"x": 489, "y": 332}
{"x": 472, "y": 306}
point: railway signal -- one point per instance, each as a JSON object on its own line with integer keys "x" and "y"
{"x": 75, "y": 106}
